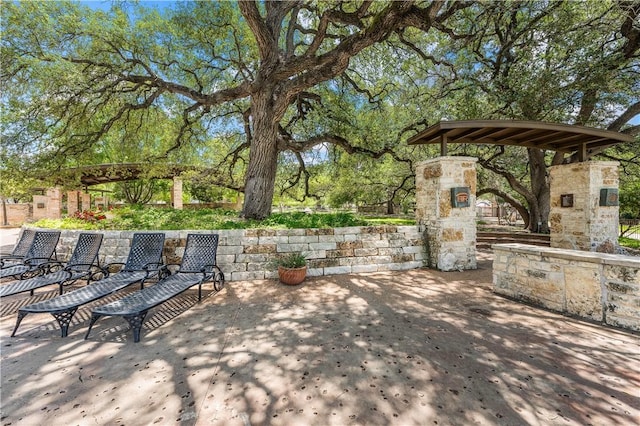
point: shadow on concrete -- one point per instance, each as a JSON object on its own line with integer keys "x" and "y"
{"x": 414, "y": 347}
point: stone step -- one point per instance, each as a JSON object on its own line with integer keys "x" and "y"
{"x": 486, "y": 239}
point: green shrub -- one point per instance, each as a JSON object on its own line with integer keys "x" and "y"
{"x": 151, "y": 218}
{"x": 292, "y": 260}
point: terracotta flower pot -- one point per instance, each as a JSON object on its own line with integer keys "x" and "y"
{"x": 292, "y": 276}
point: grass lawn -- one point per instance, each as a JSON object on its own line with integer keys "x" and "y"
{"x": 629, "y": 242}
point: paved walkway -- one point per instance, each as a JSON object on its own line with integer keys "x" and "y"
{"x": 8, "y": 238}
{"x": 393, "y": 348}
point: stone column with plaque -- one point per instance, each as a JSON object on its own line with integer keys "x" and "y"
{"x": 584, "y": 206}
{"x": 445, "y": 210}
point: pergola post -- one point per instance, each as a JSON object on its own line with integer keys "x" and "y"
{"x": 445, "y": 209}
{"x": 584, "y": 206}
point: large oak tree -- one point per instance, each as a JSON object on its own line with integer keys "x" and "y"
{"x": 76, "y": 75}
{"x": 85, "y": 86}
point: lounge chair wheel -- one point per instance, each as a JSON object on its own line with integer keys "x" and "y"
{"x": 218, "y": 281}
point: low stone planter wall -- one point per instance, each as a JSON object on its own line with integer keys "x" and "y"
{"x": 597, "y": 286}
{"x": 248, "y": 254}
{"x": 17, "y": 214}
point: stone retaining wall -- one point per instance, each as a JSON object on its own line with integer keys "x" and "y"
{"x": 596, "y": 286}
{"x": 248, "y": 254}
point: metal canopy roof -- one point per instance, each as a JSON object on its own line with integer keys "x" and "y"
{"x": 585, "y": 141}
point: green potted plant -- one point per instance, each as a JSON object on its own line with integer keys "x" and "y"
{"x": 292, "y": 268}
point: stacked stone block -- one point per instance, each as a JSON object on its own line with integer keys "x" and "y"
{"x": 450, "y": 232}
{"x": 598, "y": 287}
{"x": 249, "y": 254}
{"x": 622, "y": 289}
{"x": 586, "y": 225}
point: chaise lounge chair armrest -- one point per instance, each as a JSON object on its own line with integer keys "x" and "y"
{"x": 153, "y": 266}
{"x": 159, "y": 268}
{"x": 38, "y": 261}
{"x": 212, "y": 273}
{"x": 84, "y": 267}
{"x": 208, "y": 271}
{"x": 110, "y": 267}
{"x": 11, "y": 259}
{"x": 37, "y": 266}
{"x": 172, "y": 268}
{"x": 91, "y": 270}
{"x": 51, "y": 266}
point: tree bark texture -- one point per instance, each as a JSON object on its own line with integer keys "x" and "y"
{"x": 540, "y": 192}
{"x": 263, "y": 158}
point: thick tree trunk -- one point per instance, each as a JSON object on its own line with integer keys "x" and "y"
{"x": 539, "y": 206}
{"x": 263, "y": 159}
{"x": 5, "y": 220}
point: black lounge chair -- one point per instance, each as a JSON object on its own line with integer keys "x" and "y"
{"x": 83, "y": 264}
{"x": 20, "y": 250}
{"x": 197, "y": 267}
{"x": 144, "y": 262}
{"x": 42, "y": 249}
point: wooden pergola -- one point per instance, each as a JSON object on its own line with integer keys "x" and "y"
{"x": 108, "y": 173}
{"x": 583, "y": 141}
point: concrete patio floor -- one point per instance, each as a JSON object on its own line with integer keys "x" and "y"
{"x": 400, "y": 348}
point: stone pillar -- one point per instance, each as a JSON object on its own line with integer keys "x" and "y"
{"x": 176, "y": 193}
{"x": 48, "y": 206}
{"x": 73, "y": 202}
{"x": 579, "y": 218}
{"x": 449, "y": 232}
{"x": 86, "y": 201}
{"x": 40, "y": 207}
{"x": 54, "y": 203}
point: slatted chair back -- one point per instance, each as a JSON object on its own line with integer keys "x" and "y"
{"x": 199, "y": 252}
{"x": 24, "y": 243}
{"x": 146, "y": 248}
{"x": 43, "y": 246}
{"x": 86, "y": 252}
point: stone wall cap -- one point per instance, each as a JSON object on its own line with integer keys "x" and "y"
{"x": 585, "y": 256}
{"x": 517, "y": 247}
